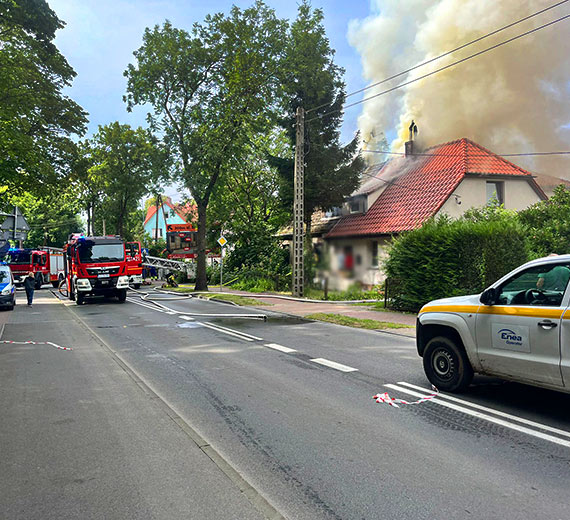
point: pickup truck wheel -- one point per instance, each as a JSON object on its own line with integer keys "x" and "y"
{"x": 446, "y": 365}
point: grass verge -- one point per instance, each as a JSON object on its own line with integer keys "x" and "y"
{"x": 360, "y": 323}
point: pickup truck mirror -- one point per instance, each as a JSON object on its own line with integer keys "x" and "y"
{"x": 489, "y": 296}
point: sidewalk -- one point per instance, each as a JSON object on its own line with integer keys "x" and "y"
{"x": 82, "y": 437}
{"x": 300, "y": 308}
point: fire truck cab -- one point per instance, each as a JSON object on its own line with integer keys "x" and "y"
{"x": 134, "y": 263}
{"x": 96, "y": 266}
{"x": 46, "y": 264}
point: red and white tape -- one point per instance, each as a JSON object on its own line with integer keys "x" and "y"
{"x": 35, "y": 343}
{"x": 392, "y": 401}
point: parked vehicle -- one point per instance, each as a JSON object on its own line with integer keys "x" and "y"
{"x": 7, "y": 287}
{"x": 47, "y": 264}
{"x": 95, "y": 266}
{"x": 134, "y": 263}
{"x": 517, "y": 329}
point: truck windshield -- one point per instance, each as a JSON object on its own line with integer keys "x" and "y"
{"x": 18, "y": 257}
{"x": 101, "y": 253}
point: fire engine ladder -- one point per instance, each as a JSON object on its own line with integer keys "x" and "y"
{"x": 165, "y": 263}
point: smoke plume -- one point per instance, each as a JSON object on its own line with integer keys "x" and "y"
{"x": 513, "y": 99}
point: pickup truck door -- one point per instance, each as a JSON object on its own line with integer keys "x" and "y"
{"x": 565, "y": 347}
{"x": 520, "y": 336}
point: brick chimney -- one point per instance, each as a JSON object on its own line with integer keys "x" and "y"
{"x": 409, "y": 145}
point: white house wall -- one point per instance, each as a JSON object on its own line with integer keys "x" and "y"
{"x": 363, "y": 273}
{"x": 472, "y": 192}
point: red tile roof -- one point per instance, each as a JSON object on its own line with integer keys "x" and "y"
{"x": 416, "y": 187}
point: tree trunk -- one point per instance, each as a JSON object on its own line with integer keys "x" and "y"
{"x": 201, "y": 279}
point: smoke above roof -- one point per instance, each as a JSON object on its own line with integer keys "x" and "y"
{"x": 513, "y": 99}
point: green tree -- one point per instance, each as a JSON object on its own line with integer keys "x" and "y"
{"x": 51, "y": 219}
{"x": 36, "y": 118}
{"x": 209, "y": 90}
{"x": 312, "y": 80}
{"x": 123, "y": 168}
{"x": 548, "y": 223}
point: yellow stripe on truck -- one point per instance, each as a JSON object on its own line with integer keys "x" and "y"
{"x": 465, "y": 309}
{"x": 531, "y": 312}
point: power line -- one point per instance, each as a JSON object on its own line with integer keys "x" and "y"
{"x": 527, "y": 154}
{"x": 442, "y": 68}
{"x": 496, "y": 31}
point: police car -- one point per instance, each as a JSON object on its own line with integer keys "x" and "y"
{"x": 517, "y": 329}
{"x": 7, "y": 287}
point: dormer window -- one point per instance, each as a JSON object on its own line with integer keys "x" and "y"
{"x": 357, "y": 204}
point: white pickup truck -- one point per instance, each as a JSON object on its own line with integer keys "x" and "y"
{"x": 517, "y": 329}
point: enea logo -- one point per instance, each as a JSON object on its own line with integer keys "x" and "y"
{"x": 510, "y": 337}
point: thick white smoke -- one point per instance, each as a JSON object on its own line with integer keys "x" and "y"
{"x": 513, "y": 99}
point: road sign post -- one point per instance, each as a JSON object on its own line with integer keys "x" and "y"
{"x": 222, "y": 241}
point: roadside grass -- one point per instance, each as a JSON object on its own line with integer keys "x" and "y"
{"x": 360, "y": 323}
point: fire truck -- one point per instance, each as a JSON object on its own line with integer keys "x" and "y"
{"x": 47, "y": 264}
{"x": 95, "y": 266}
{"x": 134, "y": 263}
{"x": 181, "y": 240}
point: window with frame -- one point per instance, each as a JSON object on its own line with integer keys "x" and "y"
{"x": 542, "y": 285}
{"x": 375, "y": 253}
{"x": 495, "y": 191}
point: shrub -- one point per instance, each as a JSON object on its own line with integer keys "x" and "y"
{"x": 453, "y": 257}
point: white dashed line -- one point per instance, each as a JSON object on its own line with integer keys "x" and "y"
{"x": 281, "y": 348}
{"x": 333, "y": 364}
{"x": 186, "y": 318}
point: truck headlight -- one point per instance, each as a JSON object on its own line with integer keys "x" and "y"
{"x": 122, "y": 281}
{"x": 83, "y": 283}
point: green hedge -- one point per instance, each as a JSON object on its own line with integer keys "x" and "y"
{"x": 453, "y": 257}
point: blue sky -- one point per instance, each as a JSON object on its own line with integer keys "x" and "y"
{"x": 101, "y": 35}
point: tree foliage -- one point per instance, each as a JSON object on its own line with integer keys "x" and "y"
{"x": 548, "y": 223}
{"x": 51, "y": 219}
{"x": 208, "y": 89}
{"x": 311, "y": 80}
{"x": 36, "y": 118}
{"x": 118, "y": 167}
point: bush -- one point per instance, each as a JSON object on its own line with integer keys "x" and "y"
{"x": 453, "y": 257}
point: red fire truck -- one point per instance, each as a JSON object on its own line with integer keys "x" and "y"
{"x": 95, "y": 266}
{"x": 47, "y": 264}
{"x": 134, "y": 263}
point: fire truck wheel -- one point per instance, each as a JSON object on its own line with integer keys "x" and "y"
{"x": 55, "y": 285}
{"x": 79, "y": 299}
{"x": 137, "y": 285}
{"x": 122, "y": 295}
{"x": 39, "y": 281}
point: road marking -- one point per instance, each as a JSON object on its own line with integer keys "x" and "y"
{"x": 186, "y": 318}
{"x": 214, "y": 327}
{"x": 336, "y": 366}
{"x": 489, "y": 418}
{"x": 281, "y": 348}
{"x": 238, "y": 332}
{"x": 147, "y": 306}
{"x": 491, "y": 410}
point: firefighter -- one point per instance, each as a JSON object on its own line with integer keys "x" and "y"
{"x": 30, "y": 285}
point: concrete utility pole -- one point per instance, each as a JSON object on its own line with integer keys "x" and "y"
{"x": 298, "y": 205}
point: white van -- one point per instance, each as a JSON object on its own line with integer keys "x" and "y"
{"x": 7, "y": 288}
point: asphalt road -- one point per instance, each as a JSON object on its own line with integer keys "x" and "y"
{"x": 286, "y": 405}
